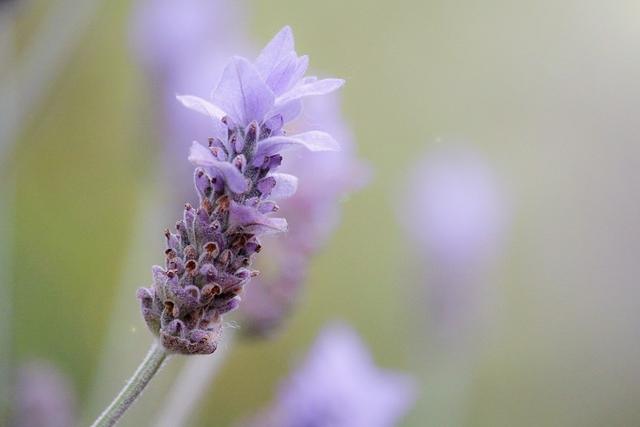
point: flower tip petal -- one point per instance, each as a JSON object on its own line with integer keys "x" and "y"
{"x": 320, "y": 141}
{"x": 199, "y": 155}
{"x": 330, "y": 85}
{"x": 200, "y": 105}
{"x": 278, "y": 225}
{"x": 314, "y": 140}
{"x": 284, "y": 38}
{"x": 242, "y": 93}
{"x": 286, "y": 185}
{"x": 280, "y": 45}
{"x": 286, "y": 35}
{"x": 310, "y": 87}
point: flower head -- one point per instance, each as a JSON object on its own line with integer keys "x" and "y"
{"x": 208, "y": 260}
{"x": 338, "y": 385}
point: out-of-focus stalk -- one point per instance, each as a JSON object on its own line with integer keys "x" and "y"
{"x": 7, "y": 35}
{"x": 23, "y": 86}
{"x": 7, "y": 17}
{"x": 6, "y": 226}
{"x": 149, "y": 219}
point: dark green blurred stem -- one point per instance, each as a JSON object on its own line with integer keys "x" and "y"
{"x": 134, "y": 387}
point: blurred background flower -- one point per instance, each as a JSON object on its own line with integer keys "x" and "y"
{"x": 42, "y": 397}
{"x": 325, "y": 179}
{"x": 338, "y": 385}
{"x": 455, "y": 212}
{"x": 547, "y": 94}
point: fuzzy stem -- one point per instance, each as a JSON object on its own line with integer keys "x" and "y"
{"x": 196, "y": 376}
{"x": 134, "y": 387}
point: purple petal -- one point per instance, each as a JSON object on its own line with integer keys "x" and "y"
{"x": 314, "y": 140}
{"x": 268, "y": 207}
{"x": 279, "y": 47}
{"x": 251, "y": 220}
{"x": 205, "y": 107}
{"x": 286, "y": 185}
{"x": 318, "y": 87}
{"x": 301, "y": 68}
{"x": 278, "y": 80}
{"x": 288, "y": 111}
{"x": 242, "y": 93}
{"x": 202, "y": 106}
{"x": 265, "y": 185}
{"x": 202, "y": 156}
{"x": 287, "y": 73}
{"x": 221, "y": 132}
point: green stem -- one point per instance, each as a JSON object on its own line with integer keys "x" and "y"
{"x": 134, "y": 387}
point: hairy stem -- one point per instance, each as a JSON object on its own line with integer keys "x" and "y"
{"x": 196, "y": 376}
{"x": 134, "y": 387}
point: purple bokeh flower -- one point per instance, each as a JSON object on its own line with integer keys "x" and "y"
{"x": 456, "y": 213}
{"x": 183, "y": 47}
{"x": 208, "y": 259}
{"x": 312, "y": 213}
{"x": 167, "y": 34}
{"x": 339, "y": 385}
{"x": 43, "y": 397}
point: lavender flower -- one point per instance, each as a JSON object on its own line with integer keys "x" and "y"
{"x": 339, "y": 386}
{"x": 182, "y": 47}
{"x": 43, "y": 397}
{"x": 325, "y": 179}
{"x": 208, "y": 260}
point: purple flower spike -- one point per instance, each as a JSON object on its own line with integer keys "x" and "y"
{"x": 208, "y": 260}
{"x": 339, "y": 385}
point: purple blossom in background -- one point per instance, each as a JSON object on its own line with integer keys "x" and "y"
{"x": 339, "y": 385}
{"x": 183, "y": 47}
{"x": 312, "y": 213}
{"x": 208, "y": 259}
{"x": 167, "y": 34}
{"x": 455, "y": 211}
{"x": 43, "y": 397}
